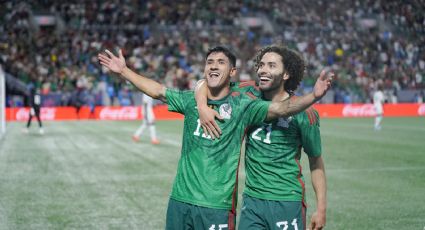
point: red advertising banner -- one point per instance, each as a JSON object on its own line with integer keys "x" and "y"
{"x": 99, "y": 113}
{"x": 367, "y": 110}
{"x": 162, "y": 113}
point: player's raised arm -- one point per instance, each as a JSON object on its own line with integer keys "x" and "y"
{"x": 146, "y": 85}
{"x": 206, "y": 114}
{"x": 290, "y": 107}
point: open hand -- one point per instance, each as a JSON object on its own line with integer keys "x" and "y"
{"x": 323, "y": 84}
{"x": 112, "y": 62}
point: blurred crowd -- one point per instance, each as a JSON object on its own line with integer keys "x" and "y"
{"x": 366, "y": 42}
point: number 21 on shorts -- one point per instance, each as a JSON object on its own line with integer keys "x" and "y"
{"x": 284, "y": 224}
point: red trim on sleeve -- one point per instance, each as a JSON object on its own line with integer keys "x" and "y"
{"x": 235, "y": 94}
{"x": 246, "y": 84}
{"x": 311, "y": 115}
{"x": 249, "y": 94}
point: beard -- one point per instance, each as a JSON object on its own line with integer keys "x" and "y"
{"x": 273, "y": 84}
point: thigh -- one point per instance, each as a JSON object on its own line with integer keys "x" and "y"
{"x": 178, "y": 216}
{"x": 37, "y": 112}
{"x": 212, "y": 219}
{"x": 288, "y": 215}
{"x": 252, "y": 213}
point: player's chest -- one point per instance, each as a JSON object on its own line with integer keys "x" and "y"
{"x": 281, "y": 131}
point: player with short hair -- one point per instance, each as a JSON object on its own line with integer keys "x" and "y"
{"x": 205, "y": 187}
{"x": 148, "y": 120}
{"x": 274, "y": 192}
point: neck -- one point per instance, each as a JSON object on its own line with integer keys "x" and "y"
{"x": 276, "y": 95}
{"x": 217, "y": 94}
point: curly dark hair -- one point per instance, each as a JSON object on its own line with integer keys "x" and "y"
{"x": 293, "y": 64}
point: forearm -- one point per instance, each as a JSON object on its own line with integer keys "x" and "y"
{"x": 290, "y": 106}
{"x": 318, "y": 179}
{"x": 144, "y": 84}
{"x": 201, "y": 94}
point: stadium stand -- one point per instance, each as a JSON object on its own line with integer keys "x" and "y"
{"x": 53, "y": 44}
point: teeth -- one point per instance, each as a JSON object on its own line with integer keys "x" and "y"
{"x": 264, "y": 79}
{"x": 214, "y": 74}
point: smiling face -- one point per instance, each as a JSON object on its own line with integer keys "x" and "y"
{"x": 271, "y": 73}
{"x": 218, "y": 70}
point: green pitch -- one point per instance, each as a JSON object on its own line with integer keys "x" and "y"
{"x": 91, "y": 175}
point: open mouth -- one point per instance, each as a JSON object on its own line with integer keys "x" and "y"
{"x": 264, "y": 79}
{"x": 214, "y": 74}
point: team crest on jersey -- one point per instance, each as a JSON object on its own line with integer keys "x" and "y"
{"x": 225, "y": 111}
{"x": 284, "y": 122}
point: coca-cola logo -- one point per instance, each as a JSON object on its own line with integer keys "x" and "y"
{"x": 22, "y": 114}
{"x": 421, "y": 110}
{"x": 46, "y": 114}
{"x": 365, "y": 110}
{"x": 121, "y": 113}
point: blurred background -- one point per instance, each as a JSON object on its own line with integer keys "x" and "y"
{"x": 53, "y": 45}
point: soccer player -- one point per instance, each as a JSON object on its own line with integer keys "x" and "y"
{"x": 35, "y": 103}
{"x": 274, "y": 191}
{"x": 205, "y": 187}
{"x": 148, "y": 121}
{"x": 378, "y": 103}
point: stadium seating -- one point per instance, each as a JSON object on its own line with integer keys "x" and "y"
{"x": 366, "y": 42}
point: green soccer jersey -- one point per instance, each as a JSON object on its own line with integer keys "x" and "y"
{"x": 273, "y": 152}
{"x": 207, "y": 169}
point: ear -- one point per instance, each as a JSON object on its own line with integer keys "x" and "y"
{"x": 285, "y": 76}
{"x": 233, "y": 72}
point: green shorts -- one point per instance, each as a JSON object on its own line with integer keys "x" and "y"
{"x": 184, "y": 216}
{"x": 269, "y": 214}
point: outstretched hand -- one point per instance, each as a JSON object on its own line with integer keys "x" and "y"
{"x": 323, "y": 84}
{"x": 112, "y": 62}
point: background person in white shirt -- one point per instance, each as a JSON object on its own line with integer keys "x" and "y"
{"x": 148, "y": 120}
{"x": 378, "y": 103}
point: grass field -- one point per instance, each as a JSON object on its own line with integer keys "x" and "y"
{"x": 90, "y": 175}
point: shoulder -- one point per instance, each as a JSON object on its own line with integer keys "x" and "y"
{"x": 309, "y": 116}
{"x": 245, "y": 87}
{"x": 176, "y": 92}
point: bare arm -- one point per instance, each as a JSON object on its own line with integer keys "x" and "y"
{"x": 144, "y": 84}
{"x": 290, "y": 107}
{"x": 318, "y": 179}
{"x": 206, "y": 115}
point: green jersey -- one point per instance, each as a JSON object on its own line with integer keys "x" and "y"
{"x": 207, "y": 169}
{"x": 273, "y": 152}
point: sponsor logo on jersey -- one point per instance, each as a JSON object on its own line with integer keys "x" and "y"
{"x": 284, "y": 122}
{"x": 225, "y": 111}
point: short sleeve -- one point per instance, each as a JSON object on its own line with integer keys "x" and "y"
{"x": 177, "y": 100}
{"x": 256, "y": 112}
{"x": 310, "y": 132}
